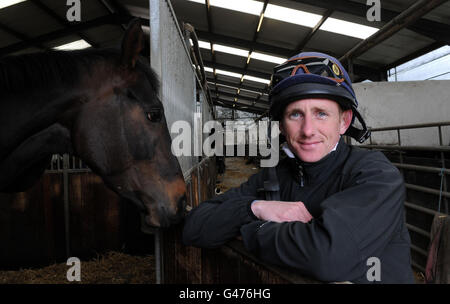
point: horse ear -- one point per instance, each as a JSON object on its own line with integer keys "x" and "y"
{"x": 132, "y": 43}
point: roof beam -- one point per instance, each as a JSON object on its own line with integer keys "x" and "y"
{"x": 365, "y": 71}
{"x": 414, "y": 55}
{"x": 237, "y": 70}
{"x": 247, "y": 44}
{"x": 116, "y": 8}
{"x": 235, "y": 85}
{"x": 243, "y": 98}
{"x": 19, "y": 36}
{"x": 237, "y": 106}
{"x": 413, "y": 13}
{"x": 62, "y": 21}
{"x": 435, "y": 30}
{"x": 313, "y": 31}
{"x": 209, "y": 22}
{"x": 82, "y": 26}
{"x": 255, "y": 37}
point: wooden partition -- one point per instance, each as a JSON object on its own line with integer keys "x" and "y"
{"x": 33, "y": 223}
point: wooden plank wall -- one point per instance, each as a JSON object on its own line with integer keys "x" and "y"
{"x": 32, "y": 223}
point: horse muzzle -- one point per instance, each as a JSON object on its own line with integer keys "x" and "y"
{"x": 163, "y": 217}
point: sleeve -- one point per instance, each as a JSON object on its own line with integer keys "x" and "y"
{"x": 216, "y": 221}
{"x": 356, "y": 223}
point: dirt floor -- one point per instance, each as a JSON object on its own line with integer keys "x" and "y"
{"x": 110, "y": 268}
{"x": 237, "y": 171}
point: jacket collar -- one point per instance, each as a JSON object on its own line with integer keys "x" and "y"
{"x": 306, "y": 173}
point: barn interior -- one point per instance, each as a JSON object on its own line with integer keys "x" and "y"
{"x": 215, "y": 59}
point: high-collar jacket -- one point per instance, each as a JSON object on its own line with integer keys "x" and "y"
{"x": 356, "y": 199}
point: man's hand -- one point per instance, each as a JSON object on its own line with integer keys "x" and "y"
{"x": 277, "y": 211}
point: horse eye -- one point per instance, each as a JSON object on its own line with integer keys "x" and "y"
{"x": 154, "y": 115}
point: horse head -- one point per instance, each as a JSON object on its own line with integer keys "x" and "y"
{"x": 121, "y": 132}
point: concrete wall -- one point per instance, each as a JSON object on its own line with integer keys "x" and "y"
{"x": 384, "y": 104}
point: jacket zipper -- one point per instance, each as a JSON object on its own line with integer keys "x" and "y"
{"x": 300, "y": 171}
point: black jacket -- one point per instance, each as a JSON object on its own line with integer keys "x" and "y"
{"x": 356, "y": 199}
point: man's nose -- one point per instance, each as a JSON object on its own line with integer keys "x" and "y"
{"x": 308, "y": 128}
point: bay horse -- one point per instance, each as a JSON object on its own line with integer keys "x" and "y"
{"x": 101, "y": 105}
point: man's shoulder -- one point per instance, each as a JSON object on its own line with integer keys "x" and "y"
{"x": 361, "y": 157}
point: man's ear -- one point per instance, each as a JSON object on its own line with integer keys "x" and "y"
{"x": 132, "y": 43}
{"x": 346, "y": 120}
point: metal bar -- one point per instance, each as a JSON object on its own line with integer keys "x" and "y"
{"x": 419, "y": 250}
{"x": 418, "y": 230}
{"x": 158, "y": 257}
{"x": 313, "y": 31}
{"x": 421, "y": 168}
{"x": 412, "y": 126}
{"x": 408, "y": 148}
{"x": 417, "y": 266}
{"x": 426, "y": 190}
{"x": 66, "y": 203}
{"x": 400, "y": 152}
{"x": 422, "y": 209}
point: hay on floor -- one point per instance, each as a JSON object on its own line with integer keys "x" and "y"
{"x": 110, "y": 268}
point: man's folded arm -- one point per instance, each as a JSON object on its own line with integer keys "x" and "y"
{"x": 356, "y": 223}
{"x": 218, "y": 220}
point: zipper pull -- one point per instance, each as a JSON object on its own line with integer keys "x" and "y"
{"x": 300, "y": 169}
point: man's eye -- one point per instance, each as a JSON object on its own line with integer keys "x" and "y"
{"x": 294, "y": 115}
{"x": 322, "y": 114}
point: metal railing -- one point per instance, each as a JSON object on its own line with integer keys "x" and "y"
{"x": 442, "y": 171}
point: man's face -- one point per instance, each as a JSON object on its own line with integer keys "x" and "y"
{"x": 313, "y": 127}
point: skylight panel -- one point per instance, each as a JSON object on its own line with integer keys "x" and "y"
{"x": 348, "y": 28}
{"x": 230, "y": 50}
{"x": 245, "y": 6}
{"x": 204, "y": 45}
{"x": 75, "y": 45}
{"x": 291, "y": 15}
{"x": 6, "y": 3}
{"x": 268, "y": 58}
{"x": 227, "y": 73}
{"x": 257, "y": 79}
{"x": 294, "y": 16}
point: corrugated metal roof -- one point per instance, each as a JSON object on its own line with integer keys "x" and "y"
{"x": 35, "y": 25}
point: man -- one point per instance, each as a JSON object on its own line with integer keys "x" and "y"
{"x": 337, "y": 208}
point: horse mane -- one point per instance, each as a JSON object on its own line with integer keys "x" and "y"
{"x": 27, "y": 72}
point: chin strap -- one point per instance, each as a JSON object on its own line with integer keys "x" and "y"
{"x": 358, "y": 134}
